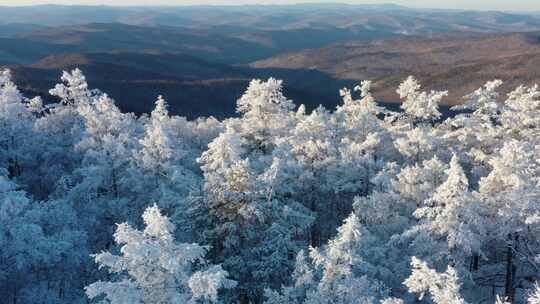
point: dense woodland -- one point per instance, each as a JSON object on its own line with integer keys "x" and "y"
{"x": 356, "y": 204}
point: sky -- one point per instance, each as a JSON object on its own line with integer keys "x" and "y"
{"x": 514, "y": 5}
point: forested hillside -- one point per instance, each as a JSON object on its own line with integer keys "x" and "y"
{"x": 458, "y": 62}
{"x": 356, "y": 204}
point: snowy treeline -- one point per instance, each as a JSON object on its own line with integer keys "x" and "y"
{"x": 355, "y": 205}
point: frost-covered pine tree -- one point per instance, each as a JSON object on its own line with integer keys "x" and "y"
{"x": 265, "y": 114}
{"x": 484, "y": 100}
{"x": 534, "y": 297}
{"x": 251, "y": 227}
{"x": 359, "y": 116}
{"x": 509, "y": 194}
{"x": 444, "y": 288}
{"x": 158, "y": 148}
{"x": 451, "y": 219}
{"x": 160, "y": 170}
{"x": 337, "y": 273}
{"x": 343, "y": 270}
{"x": 364, "y": 144}
{"x": 417, "y": 182}
{"x": 303, "y": 281}
{"x": 153, "y": 268}
{"x": 105, "y": 137}
{"x": 58, "y": 128}
{"x": 105, "y": 146}
{"x": 248, "y": 212}
{"x": 16, "y": 129}
{"x": 314, "y": 153}
{"x": 420, "y": 106}
{"x": 520, "y": 118}
{"x": 42, "y": 248}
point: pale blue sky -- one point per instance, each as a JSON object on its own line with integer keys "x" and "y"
{"x": 460, "y": 4}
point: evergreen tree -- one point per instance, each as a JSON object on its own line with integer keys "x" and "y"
{"x": 152, "y": 268}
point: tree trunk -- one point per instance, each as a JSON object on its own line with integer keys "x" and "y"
{"x": 509, "y": 290}
{"x": 15, "y": 293}
{"x": 115, "y": 184}
{"x": 244, "y": 299}
{"x": 314, "y": 227}
{"x": 314, "y": 231}
{"x": 475, "y": 262}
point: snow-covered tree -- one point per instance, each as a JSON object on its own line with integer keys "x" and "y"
{"x": 162, "y": 169}
{"x": 484, "y": 100}
{"x": 153, "y": 268}
{"x": 337, "y": 274}
{"x": 105, "y": 146}
{"x": 59, "y": 129}
{"x": 509, "y": 194}
{"x": 42, "y": 249}
{"x": 534, "y": 297}
{"x": 343, "y": 270}
{"x": 74, "y": 90}
{"x": 418, "y": 144}
{"x": 252, "y": 229}
{"x": 520, "y": 119}
{"x": 248, "y": 212}
{"x": 444, "y": 288}
{"x": 416, "y": 183}
{"x": 16, "y": 129}
{"x": 421, "y": 106}
{"x": 265, "y": 114}
{"x": 450, "y": 216}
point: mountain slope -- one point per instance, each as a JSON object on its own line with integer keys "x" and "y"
{"x": 459, "y": 63}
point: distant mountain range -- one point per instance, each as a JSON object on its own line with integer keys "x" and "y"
{"x": 275, "y": 17}
{"x": 218, "y": 44}
{"x": 202, "y": 57}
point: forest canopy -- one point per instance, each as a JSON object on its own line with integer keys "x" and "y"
{"x": 357, "y": 204}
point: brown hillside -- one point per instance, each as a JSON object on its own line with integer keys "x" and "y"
{"x": 459, "y": 63}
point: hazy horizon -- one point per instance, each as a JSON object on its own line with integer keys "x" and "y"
{"x": 503, "y": 5}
